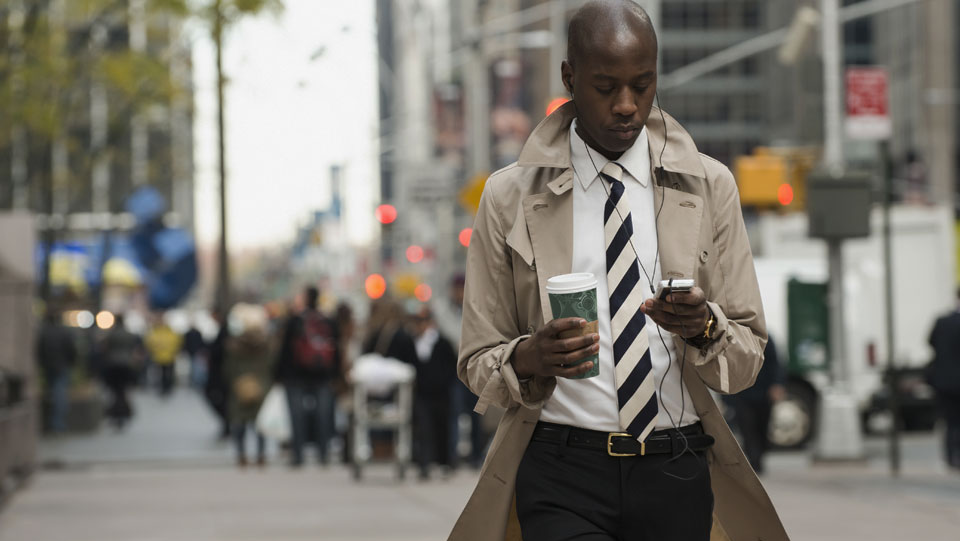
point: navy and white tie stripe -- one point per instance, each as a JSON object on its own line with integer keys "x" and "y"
{"x": 636, "y": 389}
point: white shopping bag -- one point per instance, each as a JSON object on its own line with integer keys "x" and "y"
{"x": 273, "y": 419}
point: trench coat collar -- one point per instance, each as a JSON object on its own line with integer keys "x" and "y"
{"x": 549, "y": 146}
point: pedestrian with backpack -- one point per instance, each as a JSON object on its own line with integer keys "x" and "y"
{"x": 309, "y": 364}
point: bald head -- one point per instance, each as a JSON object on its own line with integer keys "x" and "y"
{"x": 602, "y": 20}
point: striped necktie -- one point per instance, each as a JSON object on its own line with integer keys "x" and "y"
{"x": 636, "y": 390}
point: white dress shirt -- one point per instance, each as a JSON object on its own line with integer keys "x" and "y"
{"x": 592, "y": 402}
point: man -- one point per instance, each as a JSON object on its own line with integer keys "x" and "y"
{"x": 195, "y": 347}
{"x": 123, "y": 358}
{"x": 752, "y": 407}
{"x": 216, "y": 389}
{"x": 603, "y": 176}
{"x": 436, "y": 371}
{"x": 56, "y": 354}
{"x": 449, "y": 319}
{"x": 308, "y": 367}
{"x": 164, "y": 344}
{"x": 943, "y": 375}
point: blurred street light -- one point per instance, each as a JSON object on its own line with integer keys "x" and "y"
{"x": 105, "y": 320}
{"x": 555, "y": 104}
{"x": 423, "y": 292}
{"x": 375, "y": 286}
{"x": 465, "y": 235}
{"x": 804, "y": 23}
{"x": 414, "y": 254}
{"x": 386, "y": 214}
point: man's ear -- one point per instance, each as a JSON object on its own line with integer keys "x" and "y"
{"x": 566, "y": 74}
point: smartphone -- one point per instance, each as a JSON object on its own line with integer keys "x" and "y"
{"x": 669, "y": 286}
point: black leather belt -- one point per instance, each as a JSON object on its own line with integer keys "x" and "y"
{"x": 668, "y": 441}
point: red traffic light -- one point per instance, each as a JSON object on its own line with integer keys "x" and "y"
{"x": 555, "y": 104}
{"x": 465, "y": 235}
{"x": 785, "y": 194}
{"x": 414, "y": 254}
{"x": 375, "y": 286}
{"x": 423, "y": 292}
{"x": 386, "y": 214}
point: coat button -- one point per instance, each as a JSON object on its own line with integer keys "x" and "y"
{"x": 533, "y": 266}
{"x": 676, "y": 185}
{"x": 530, "y": 329}
{"x": 703, "y": 256}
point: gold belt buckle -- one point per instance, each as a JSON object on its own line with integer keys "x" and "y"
{"x": 643, "y": 445}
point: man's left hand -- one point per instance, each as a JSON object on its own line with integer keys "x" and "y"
{"x": 682, "y": 313}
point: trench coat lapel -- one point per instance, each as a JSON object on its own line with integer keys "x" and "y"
{"x": 549, "y": 217}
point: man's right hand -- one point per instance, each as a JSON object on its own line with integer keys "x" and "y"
{"x": 546, "y": 354}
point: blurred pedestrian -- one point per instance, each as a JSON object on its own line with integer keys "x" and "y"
{"x": 195, "y": 348}
{"x": 943, "y": 374}
{"x": 349, "y": 350}
{"x": 752, "y": 407}
{"x": 123, "y": 356}
{"x": 163, "y": 344}
{"x": 216, "y": 389}
{"x": 436, "y": 371}
{"x": 247, "y": 367}
{"x": 386, "y": 336}
{"x": 449, "y": 317}
{"x": 56, "y": 354}
{"x": 308, "y": 365}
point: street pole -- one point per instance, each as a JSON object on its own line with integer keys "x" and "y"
{"x": 223, "y": 270}
{"x": 832, "y": 63}
{"x": 886, "y": 170}
{"x": 839, "y": 436}
{"x": 558, "y": 45}
{"x": 478, "y": 98}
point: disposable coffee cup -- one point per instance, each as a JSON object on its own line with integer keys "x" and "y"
{"x": 575, "y": 295}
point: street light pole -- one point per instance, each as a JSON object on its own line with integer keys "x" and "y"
{"x": 839, "y": 435}
{"x": 223, "y": 270}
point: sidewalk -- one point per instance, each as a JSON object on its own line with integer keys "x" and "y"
{"x": 179, "y": 429}
{"x": 168, "y": 480}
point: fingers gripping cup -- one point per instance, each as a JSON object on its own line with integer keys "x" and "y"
{"x": 575, "y": 295}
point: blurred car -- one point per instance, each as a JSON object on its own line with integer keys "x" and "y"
{"x": 916, "y": 403}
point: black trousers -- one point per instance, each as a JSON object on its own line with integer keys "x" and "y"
{"x": 565, "y": 493}
{"x": 431, "y": 428}
{"x": 753, "y": 419}
{"x": 950, "y": 409}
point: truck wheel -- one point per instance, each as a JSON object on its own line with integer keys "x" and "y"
{"x": 792, "y": 419}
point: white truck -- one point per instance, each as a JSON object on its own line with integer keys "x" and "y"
{"x": 792, "y": 272}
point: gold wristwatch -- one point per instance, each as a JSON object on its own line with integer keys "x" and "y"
{"x": 709, "y": 333}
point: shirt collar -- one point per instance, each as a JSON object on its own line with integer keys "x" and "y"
{"x": 635, "y": 161}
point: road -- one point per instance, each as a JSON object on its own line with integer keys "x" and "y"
{"x": 167, "y": 479}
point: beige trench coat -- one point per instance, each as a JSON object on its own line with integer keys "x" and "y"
{"x": 522, "y": 236}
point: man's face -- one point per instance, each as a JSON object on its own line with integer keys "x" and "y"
{"x": 613, "y": 86}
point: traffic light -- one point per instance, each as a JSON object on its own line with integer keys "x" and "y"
{"x": 414, "y": 254}
{"x": 774, "y": 177}
{"x": 465, "y": 235}
{"x": 386, "y": 214}
{"x": 375, "y": 286}
{"x": 422, "y": 292}
{"x": 555, "y": 104}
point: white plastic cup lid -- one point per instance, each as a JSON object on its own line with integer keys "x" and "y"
{"x": 571, "y": 283}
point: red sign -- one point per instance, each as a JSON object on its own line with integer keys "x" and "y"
{"x": 868, "y": 115}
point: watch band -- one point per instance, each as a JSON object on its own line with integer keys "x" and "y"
{"x": 709, "y": 332}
